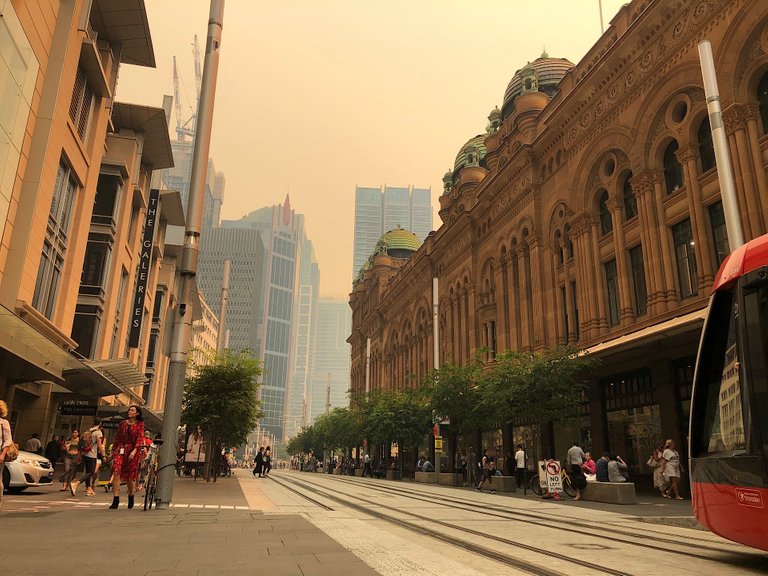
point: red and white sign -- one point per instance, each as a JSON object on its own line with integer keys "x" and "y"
{"x": 747, "y": 497}
{"x": 554, "y": 480}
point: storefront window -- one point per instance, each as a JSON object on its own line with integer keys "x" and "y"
{"x": 633, "y": 434}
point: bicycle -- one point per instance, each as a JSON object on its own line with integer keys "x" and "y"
{"x": 568, "y": 488}
{"x": 150, "y": 486}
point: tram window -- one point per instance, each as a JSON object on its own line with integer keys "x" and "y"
{"x": 718, "y": 415}
{"x": 756, "y": 314}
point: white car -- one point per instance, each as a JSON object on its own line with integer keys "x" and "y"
{"x": 27, "y": 470}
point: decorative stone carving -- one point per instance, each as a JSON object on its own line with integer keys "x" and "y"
{"x": 736, "y": 115}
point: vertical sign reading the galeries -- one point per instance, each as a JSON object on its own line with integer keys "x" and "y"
{"x": 145, "y": 259}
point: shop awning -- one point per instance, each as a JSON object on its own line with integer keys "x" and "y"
{"x": 152, "y": 421}
{"x": 26, "y": 354}
{"x": 660, "y": 331}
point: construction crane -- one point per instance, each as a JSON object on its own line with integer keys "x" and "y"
{"x": 187, "y": 128}
{"x": 183, "y": 129}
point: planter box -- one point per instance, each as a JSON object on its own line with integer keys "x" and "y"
{"x": 393, "y": 474}
{"x": 610, "y": 492}
{"x": 358, "y": 471}
{"x": 450, "y": 479}
{"x": 426, "y": 477}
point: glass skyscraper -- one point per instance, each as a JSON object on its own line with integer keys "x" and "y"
{"x": 378, "y": 210}
{"x": 330, "y": 384}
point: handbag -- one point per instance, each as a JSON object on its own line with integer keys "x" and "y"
{"x": 11, "y": 453}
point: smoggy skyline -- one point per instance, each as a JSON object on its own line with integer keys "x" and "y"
{"x": 314, "y": 98}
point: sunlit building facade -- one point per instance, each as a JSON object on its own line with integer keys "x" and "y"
{"x": 330, "y": 379}
{"x": 589, "y": 214}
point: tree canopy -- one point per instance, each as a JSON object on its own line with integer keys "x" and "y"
{"x": 222, "y": 397}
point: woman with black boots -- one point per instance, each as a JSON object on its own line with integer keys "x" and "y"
{"x": 126, "y": 454}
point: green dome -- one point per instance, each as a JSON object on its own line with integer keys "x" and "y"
{"x": 477, "y": 144}
{"x": 397, "y": 241}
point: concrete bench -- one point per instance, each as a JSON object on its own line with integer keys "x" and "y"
{"x": 610, "y": 492}
{"x": 426, "y": 477}
{"x": 393, "y": 474}
{"x": 451, "y": 479}
{"x": 502, "y": 484}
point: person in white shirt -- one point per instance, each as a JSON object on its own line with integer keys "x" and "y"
{"x": 34, "y": 444}
{"x": 520, "y": 465}
{"x": 91, "y": 447}
{"x": 574, "y": 460}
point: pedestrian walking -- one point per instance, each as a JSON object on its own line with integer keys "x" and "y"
{"x": 472, "y": 467}
{"x": 367, "y": 465}
{"x": 575, "y": 460}
{"x": 71, "y": 460}
{"x": 90, "y": 446}
{"x": 520, "y": 466}
{"x": 670, "y": 463}
{"x": 126, "y": 454}
{"x": 487, "y": 471}
{"x": 6, "y": 441}
{"x": 654, "y": 461}
{"x": 267, "y": 460}
{"x": 34, "y": 445}
{"x": 257, "y": 471}
{"x": 53, "y": 450}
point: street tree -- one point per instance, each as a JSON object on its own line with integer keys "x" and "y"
{"x": 456, "y": 392}
{"x": 222, "y": 398}
{"x": 539, "y": 387}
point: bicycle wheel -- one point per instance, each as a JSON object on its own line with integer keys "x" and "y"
{"x": 149, "y": 490}
{"x": 568, "y": 487}
{"x": 535, "y": 486}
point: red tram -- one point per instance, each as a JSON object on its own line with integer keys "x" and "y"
{"x": 729, "y": 411}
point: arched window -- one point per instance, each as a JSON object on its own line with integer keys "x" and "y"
{"x": 606, "y": 223}
{"x": 628, "y": 197}
{"x": 706, "y": 148}
{"x": 762, "y": 99}
{"x": 673, "y": 171}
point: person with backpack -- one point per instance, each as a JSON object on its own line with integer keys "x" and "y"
{"x": 91, "y": 445}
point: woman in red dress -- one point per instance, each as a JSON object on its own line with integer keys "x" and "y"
{"x": 126, "y": 454}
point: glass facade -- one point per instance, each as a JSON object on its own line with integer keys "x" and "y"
{"x": 685, "y": 255}
{"x": 639, "y": 291}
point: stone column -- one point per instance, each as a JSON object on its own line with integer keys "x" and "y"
{"x": 642, "y": 187}
{"x": 561, "y": 330}
{"x": 571, "y": 329}
{"x": 626, "y": 312}
{"x": 513, "y": 298}
{"x": 584, "y": 277}
{"x": 502, "y": 305}
{"x": 525, "y": 329}
{"x": 757, "y": 161}
{"x": 701, "y": 232}
{"x": 733, "y": 124}
{"x": 472, "y": 326}
{"x": 599, "y": 279}
{"x": 537, "y": 292}
{"x": 736, "y": 118}
{"x": 662, "y": 236}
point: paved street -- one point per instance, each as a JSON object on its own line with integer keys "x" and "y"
{"x": 313, "y": 524}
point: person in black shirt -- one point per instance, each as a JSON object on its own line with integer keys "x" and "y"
{"x": 602, "y": 468}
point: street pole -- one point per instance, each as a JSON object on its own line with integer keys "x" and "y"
{"x": 436, "y": 352}
{"x": 182, "y": 320}
{"x": 367, "y": 366}
{"x": 720, "y": 144}
{"x": 221, "y": 337}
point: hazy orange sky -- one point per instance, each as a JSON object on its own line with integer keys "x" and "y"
{"x": 315, "y": 97}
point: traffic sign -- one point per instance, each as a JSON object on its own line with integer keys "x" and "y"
{"x": 438, "y": 443}
{"x": 554, "y": 479}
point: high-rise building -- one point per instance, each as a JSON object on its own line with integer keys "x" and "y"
{"x": 178, "y": 178}
{"x": 330, "y": 382}
{"x": 378, "y": 210}
{"x": 245, "y": 250}
{"x": 289, "y": 283}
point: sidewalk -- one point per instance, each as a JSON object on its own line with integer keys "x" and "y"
{"x": 203, "y": 534}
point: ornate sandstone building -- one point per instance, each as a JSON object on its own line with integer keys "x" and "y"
{"x": 589, "y": 213}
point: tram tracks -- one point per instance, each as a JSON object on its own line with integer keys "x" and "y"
{"x": 365, "y": 507}
{"x": 700, "y": 551}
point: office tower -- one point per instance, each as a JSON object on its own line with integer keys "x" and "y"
{"x": 332, "y": 356}
{"x": 178, "y": 178}
{"x": 378, "y": 210}
{"x": 245, "y": 249}
{"x": 290, "y": 282}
